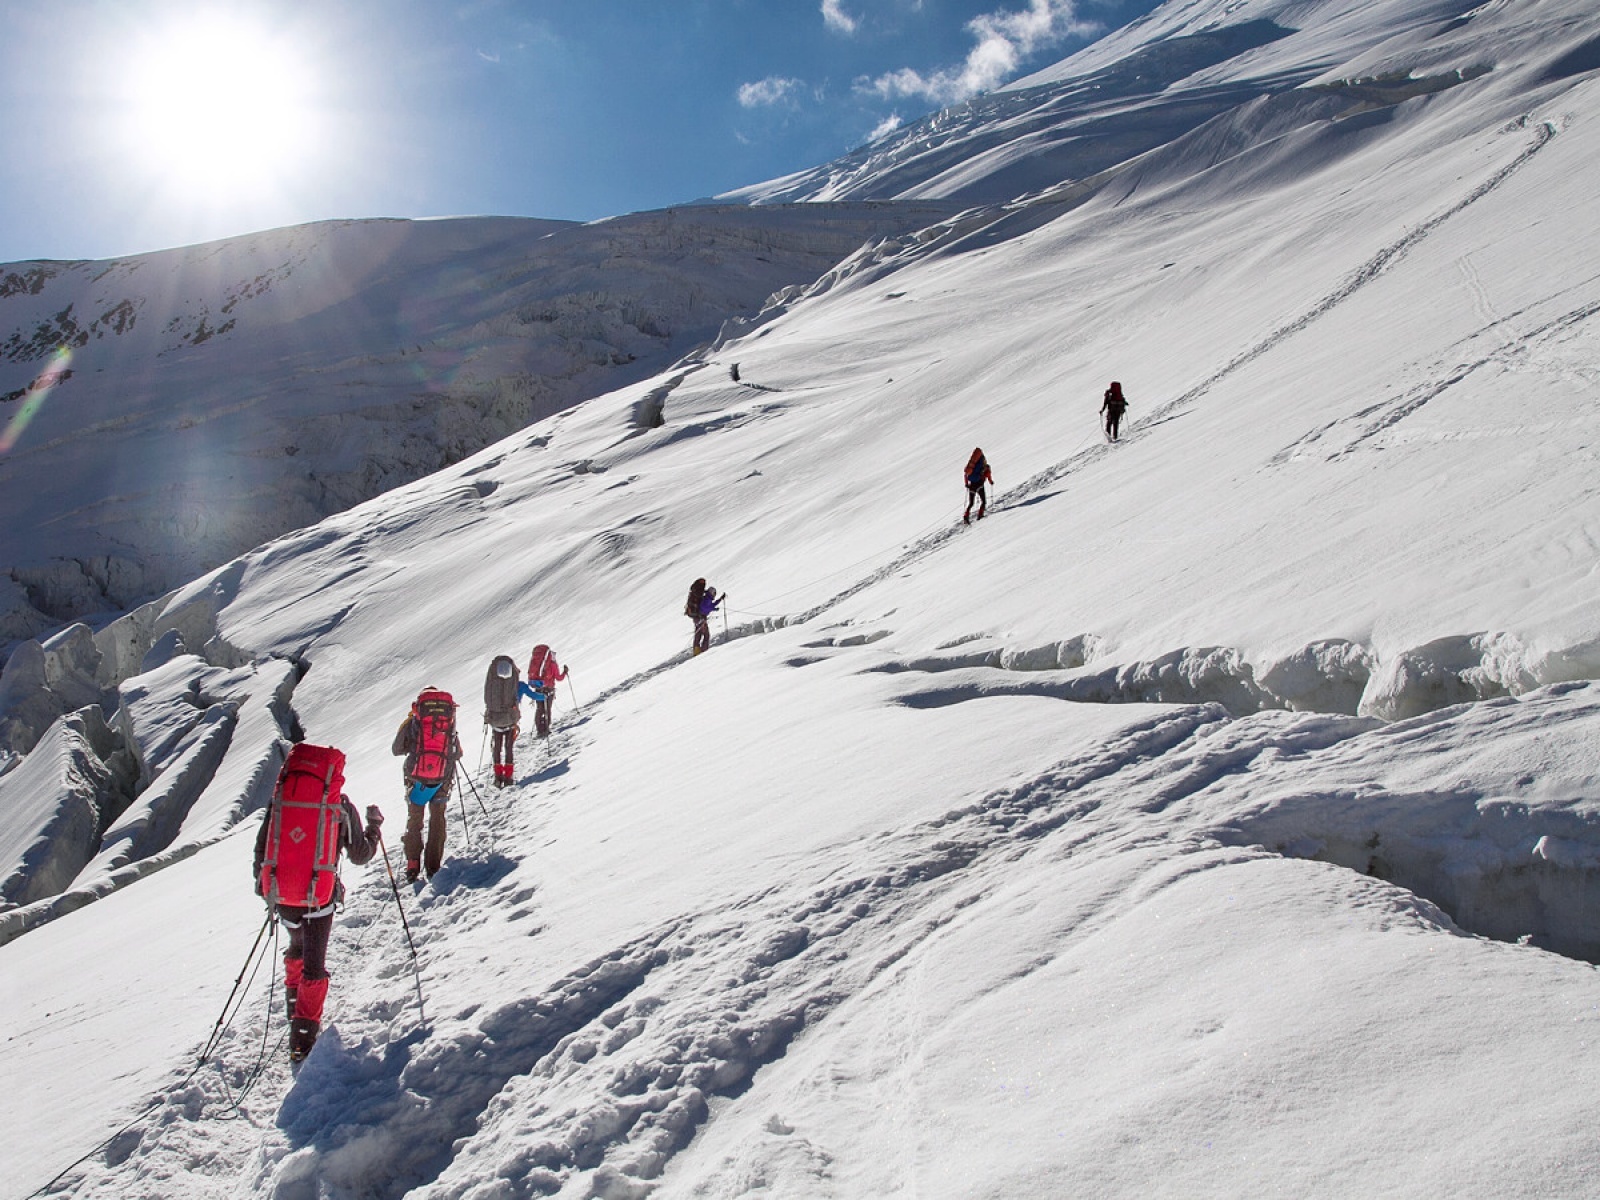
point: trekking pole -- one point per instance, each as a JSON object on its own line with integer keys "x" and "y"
{"x": 476, "y": 793}
{"x": 404, "y": 924}
{"x": 248, "y": 968}
{"x": 724, "y": 618}
{"x": 571, "y": 691}
{"x": 465, "y": 826}
{"x": 483, "y": 745}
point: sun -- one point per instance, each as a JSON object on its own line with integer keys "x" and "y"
{"x": 219, "y": 106}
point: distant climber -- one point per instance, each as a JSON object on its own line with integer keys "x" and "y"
{"x": 544, "y": 672}
{"x": 702, "y": 602}
{"x": 733, "y": 372}
{"x": 976, "y": 475}
{"x": 308, "y": 823}
{"x": 1115, "y": 405}
{"x": 427, "y": 738}
{"x": 502, "y": 713}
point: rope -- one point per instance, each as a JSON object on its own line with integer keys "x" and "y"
{"x": 251, "y": 967}
{"x": 266, "y": 1029}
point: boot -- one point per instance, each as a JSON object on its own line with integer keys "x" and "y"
{"x": 292, "y": 973}
{"x": 302, "y": 1036}
{"x": 307, "y": 1022}
{"x": 413, "y": 869}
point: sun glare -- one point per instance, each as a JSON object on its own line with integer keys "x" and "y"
{"x": 218, "y": 106}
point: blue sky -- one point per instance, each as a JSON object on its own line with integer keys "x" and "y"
{"x": 132, "y": 125}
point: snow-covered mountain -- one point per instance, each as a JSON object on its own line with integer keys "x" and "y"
{"x": 1218, "y": 815}
{"x": 172, "y": 410}
{"x": 1201, "y": 66}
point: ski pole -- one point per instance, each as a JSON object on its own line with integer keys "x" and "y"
{"x": 217, "y": 1029}
{"x": 404, "y": 924}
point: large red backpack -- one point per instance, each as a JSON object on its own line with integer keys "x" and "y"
{"x": 435, "y": 715}
{"x": 300, "y": 863}
{"x": 538, "y": 665}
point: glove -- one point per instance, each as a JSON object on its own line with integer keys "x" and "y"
{"x": 374, "y": 816}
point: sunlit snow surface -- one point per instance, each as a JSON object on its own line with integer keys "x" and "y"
{"x": 1218, "y": 816}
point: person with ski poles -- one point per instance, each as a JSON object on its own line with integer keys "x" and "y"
{"x": 427, "y": 738}
{"x": 1115, "y": 405}
{"x": 544, "y": 672}
{"x": 976, "y": 475}
{"x": 703, "y": 601}
{"x": 307, "y": 825}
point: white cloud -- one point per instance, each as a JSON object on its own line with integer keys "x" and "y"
{"x": 835, "y": 17}
{"x": 1004, "y": 40}
{"x": 885, "y": 127}
{"x": 774, "y": 89}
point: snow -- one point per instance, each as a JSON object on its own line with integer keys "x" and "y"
{"x": 210, "y": 398}
{"x": 1219, "y": 815}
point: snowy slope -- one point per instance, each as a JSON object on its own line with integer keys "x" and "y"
{"x": 1174, "y": 71}
{"x": 1220, "y": 815}
{"x": 166, "y": 412}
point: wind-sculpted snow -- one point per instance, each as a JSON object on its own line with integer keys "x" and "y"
{"x": 193, "y": 744}
{"x": 57, "y": 803}
{"x": 1005, "y": 144}
{"x": 191, "y": 751}
{"x": 1465, "y": 837}
{"x": 598, "y": 1082}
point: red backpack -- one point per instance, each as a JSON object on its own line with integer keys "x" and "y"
{"x": 435, "y": 714}
{"x": 300, "y": 864}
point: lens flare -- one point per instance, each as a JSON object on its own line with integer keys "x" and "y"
{"x": 33, "y": 399}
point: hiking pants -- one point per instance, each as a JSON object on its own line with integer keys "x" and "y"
{"x": 308, "y": 940}
{"x": 412, "y": 841}
{"x": 977, "y": 493}
{"x": 541, "y": 717}
{"x": 702, "y": 634}
{"x": 503, "y": 740}
{"x": 305, "y": 963}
